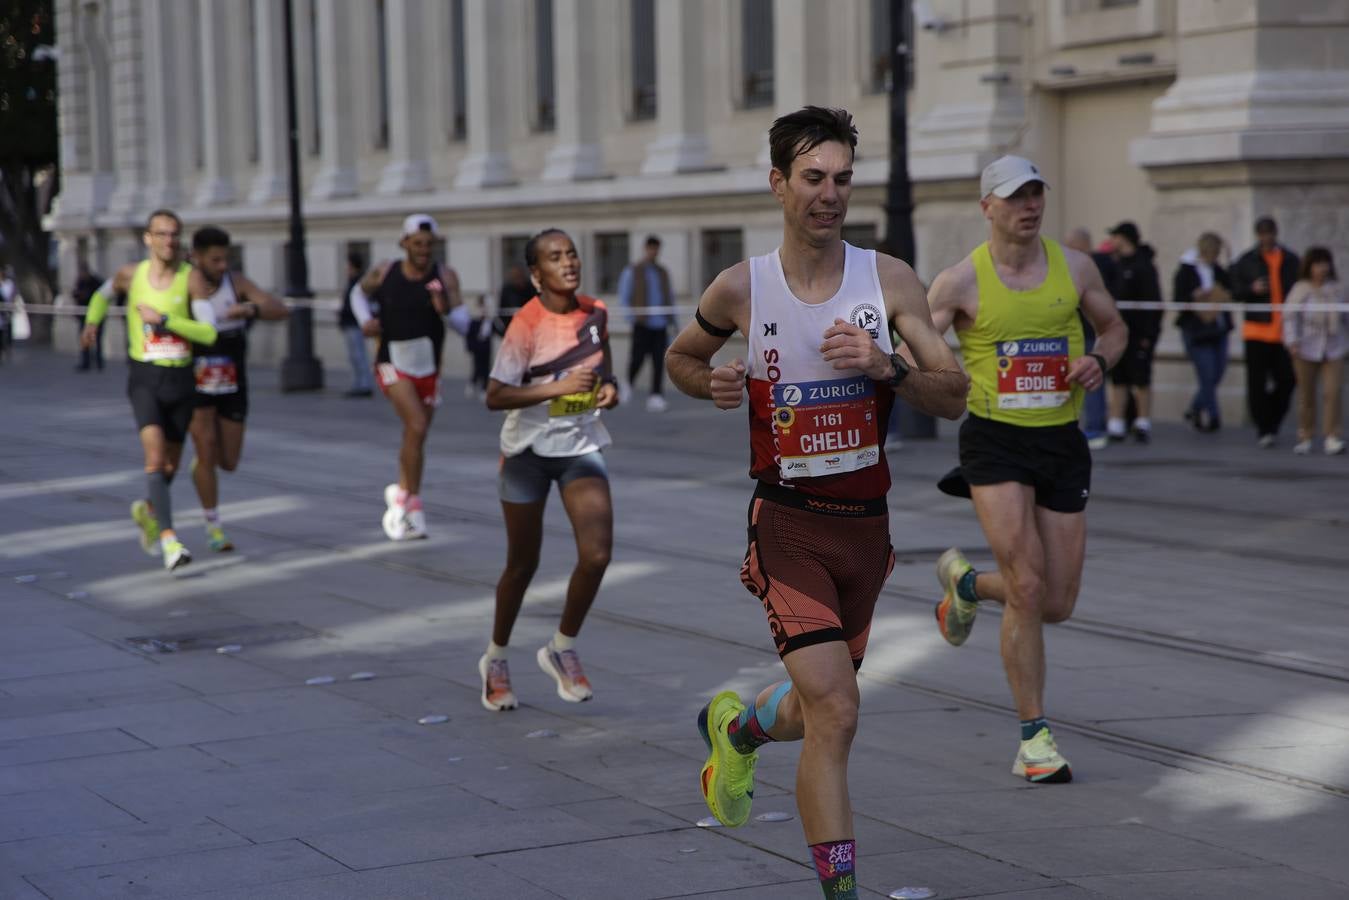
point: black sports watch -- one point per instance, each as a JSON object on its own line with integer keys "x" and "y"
{"x": 901, "y": 370}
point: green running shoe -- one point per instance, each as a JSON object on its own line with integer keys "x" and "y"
{"x": 175, "y": 555}
{"x": 728, "y": 776}
{"x": 216, "y": 539}
{"x": 955, "y": 615}
{"x": 148, "y": 525}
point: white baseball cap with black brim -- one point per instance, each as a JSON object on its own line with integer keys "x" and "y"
{"x": 1006, "y": 174}
{"x": 420, "y": 222}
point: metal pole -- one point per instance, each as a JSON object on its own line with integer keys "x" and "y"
{"x": 300, "y": 370}
{"x": 899, "y": 240}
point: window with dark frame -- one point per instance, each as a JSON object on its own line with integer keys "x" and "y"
{"x": 722, "y": 248}
{"x": 316, "y": 137}
{"x": 643, "y": 59}
{"x": 545, "y": 115}
{"x": 862, "y": 235}
{"x": 361, "y": 249}
{"x": 880, "y": 50}
{"x": 756, "y": 52}
{"x": 254, "y": 120}
{"x": 513, "y": 251}
{"x": 459, "y": 111}
{"x": 382, "y": 63}
{"x": 611, "y": 251}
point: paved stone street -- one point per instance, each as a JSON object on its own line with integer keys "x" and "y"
{"x": 1200, "y": 692}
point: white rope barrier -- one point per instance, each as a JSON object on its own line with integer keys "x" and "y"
{"x": 686, "y": 309}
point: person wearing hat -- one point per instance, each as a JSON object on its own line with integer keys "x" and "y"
{"x": 1014, "y": 303}
{"x": 1136, "y": 280}
{"x": 1265, "y": 274}
{"x": 415, "y": 295}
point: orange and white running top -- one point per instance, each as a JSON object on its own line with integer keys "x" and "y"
{"x": 542, "y": 345}
{"x": 813, "y": 427}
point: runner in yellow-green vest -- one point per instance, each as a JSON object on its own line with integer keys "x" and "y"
{"x": 160, "y": 383}
{"x": 1014, "y": 303}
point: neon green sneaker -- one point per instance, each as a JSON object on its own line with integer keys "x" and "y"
{"x": 1038, "y": 760}
{"x": 146, "y": 522}
{"x": 175, "y": 554}
{"x": 216, "y": 539}
{"x": 955, "y": 615}
{"x": 728, "y": 775}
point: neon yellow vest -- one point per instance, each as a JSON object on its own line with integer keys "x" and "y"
{"x": 143, "y": 343}
{"x": 1018, "y": 350}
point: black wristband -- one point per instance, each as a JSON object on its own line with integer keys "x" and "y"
{"x": 710, "y": 328}
{"x": 1100, "y": 361}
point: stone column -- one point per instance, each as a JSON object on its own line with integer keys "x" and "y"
{"x": 968, "y": 101}
{"x": 338, "y": 139}
{"x": 800, "y": 71}
{"x": 682, "y": 145}
{"x": 410, "y": 118}
{"x": 128, "y": 100}
{"x": 488, "y": 164}
{"x": 164, "y": 133}
{"x": 577, "y": 154}
{"x": 272, "y": 180}
{"x": 217, "y": 22}
{"x": 1256, "y": 123}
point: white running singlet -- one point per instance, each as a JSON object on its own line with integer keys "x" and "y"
{"x": 812, "y": 426}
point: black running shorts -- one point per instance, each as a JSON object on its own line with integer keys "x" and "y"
{"x": 1135, "y": 366}
{"x": 1053, "y": 459}
{"x": 163, "y": 396}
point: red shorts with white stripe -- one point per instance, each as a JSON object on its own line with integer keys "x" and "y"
{"x": 426, "y": 386}
{"x": 818, "y": 565}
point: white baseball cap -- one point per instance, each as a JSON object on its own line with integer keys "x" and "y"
{"x": 420, "y": 222}
{"x": 1007, "y": 173}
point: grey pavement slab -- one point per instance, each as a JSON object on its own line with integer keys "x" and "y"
{"x": 1204, "y": 721}
{"x": 187, "y": 874}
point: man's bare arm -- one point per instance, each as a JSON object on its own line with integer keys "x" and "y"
{"x": 1099, "y": 307}
{"x": 936, "y": 384}
{"x": 268, "y": 307}
{"x": 724, "y": 305}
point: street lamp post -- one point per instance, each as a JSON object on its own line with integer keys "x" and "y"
{"x": 899, "y": 238}
{"x": 301, "y": 370}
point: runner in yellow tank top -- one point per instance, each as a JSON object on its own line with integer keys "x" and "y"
{"x": 160, "y": 383}
{"x": 1014, "y": 303}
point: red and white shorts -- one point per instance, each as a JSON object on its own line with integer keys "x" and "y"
{"x": 426, "y": 386}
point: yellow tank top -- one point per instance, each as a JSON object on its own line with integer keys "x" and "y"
{"x": 1018, "y": 350}
{"x": 147, "y": 343}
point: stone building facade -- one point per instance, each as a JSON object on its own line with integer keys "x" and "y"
{"x": 618, "y": 118}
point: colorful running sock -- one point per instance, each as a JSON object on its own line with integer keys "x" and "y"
{"x": 749, "y": 731}
{"x": 400, "y": 497}
{"x": 411, "y": 502}
{"x": 561, "y": 642}
{"x": 965, "y": 587}
{"x": 212, "y": 516}
{"x": 157, "y": 492}
{"x": 1031, "y": 727}
{"x": 834, "y": 864}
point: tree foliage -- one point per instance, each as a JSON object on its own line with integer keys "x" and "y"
{"x": 27, "y": 84}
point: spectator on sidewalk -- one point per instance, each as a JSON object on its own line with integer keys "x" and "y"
{"x": 1200, "y": 279}
{"x": 362, "y": 375}
{"x": 1132, "y": 377}
{"x": 1263, "y": 275}
{"x": 86, "y": 282}
{"x": 643, "y": 285}
{"x": 8, "y": 291}
{"x": 1094, "y": 406}
{"x": 1317, "y": 341}
{"x": 478, "y": 343}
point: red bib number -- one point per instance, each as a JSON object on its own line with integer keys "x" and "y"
{"x": 156, "y": 345}
{"x": 826, "y": 427}
{"x": 1033, "y": 374}
{"x": 216, "y": 375}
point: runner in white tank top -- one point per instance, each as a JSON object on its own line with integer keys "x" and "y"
{"x": 230, "y": 300}
{"x": 822, "y": 376}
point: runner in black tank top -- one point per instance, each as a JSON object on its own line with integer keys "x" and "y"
{"x": 415, "y": 295}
